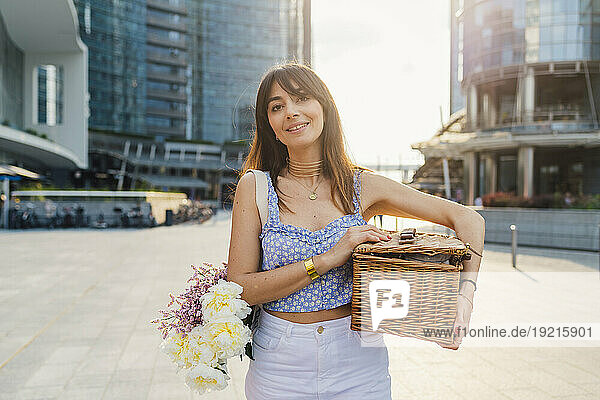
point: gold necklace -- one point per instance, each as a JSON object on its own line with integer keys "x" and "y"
{"x": 304, "y": 169}
{"x": 313, "y": 192}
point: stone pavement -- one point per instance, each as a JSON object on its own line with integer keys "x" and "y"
{"x": 75, "y": 308}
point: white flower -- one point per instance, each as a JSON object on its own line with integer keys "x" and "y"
{"x": 202, "y": 378}
{"x": 227, "y": 335}
{"x": 227, "y": 289}
{"x": 199, "y": 349}
{"x": 224, "y": 298}
{"x": 175, "y": 346}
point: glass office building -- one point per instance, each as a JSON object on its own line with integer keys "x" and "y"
{"x": 529, "y": 71}
{"x": 185, "y": 69}
{"x": 236, "y": 41}
{"x": 115, "y": 33}
{"x": 542, "y": 50}
{"x": 172, "y": 79}
{"x": 11, "y": 80}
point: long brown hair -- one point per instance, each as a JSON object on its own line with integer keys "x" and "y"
{"x": 268, "y": 154}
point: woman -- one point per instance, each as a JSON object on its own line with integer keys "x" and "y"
{"x": 297, "y": 265}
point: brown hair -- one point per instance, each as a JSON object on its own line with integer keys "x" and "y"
{"x": 268, "y": 154}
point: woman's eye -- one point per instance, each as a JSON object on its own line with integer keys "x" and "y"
{"x": 276, "y": 107}
{"x": 304, "y": 98}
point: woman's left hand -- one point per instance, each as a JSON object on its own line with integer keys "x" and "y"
{"x": 461, "y": 322}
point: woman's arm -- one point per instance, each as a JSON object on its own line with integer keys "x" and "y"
{"x": 244, "y": 253}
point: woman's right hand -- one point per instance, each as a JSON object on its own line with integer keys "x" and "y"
{"x": 355, "y": 235}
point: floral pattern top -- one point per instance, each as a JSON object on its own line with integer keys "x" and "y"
{"x": 284, "y": 244}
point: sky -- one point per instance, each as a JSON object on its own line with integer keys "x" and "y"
{"x": 387, "y": 65}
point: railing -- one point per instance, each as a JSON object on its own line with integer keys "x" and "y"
{"x": 167, "y": 130}
{"x": 156, "y": 39}
{"x": 164, "y": 112}
{"x": 166, "y": 6}
{"x": 175, "y": 26}
{"x": 166, "y": 94}
{"x": 178, "y": 78}
{"x": 166, "y": 59}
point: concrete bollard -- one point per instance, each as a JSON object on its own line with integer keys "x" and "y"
{"x": 513, "y": 229}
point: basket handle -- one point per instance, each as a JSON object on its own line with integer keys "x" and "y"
{"x": 407, "y": 235}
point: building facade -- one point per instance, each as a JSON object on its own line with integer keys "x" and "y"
{"x": 530, "y": 74}
{"x": 173, "y": 84}
{"x": 43, "y": 89}
{"x": 235, "y": 42}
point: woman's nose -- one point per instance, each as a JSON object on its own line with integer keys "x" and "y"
{"x": 292, "y": 113}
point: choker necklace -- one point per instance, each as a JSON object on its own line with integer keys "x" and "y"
{"x": 306, "y": 170}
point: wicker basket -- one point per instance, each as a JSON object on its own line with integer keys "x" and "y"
{"x": 431, "y": 265}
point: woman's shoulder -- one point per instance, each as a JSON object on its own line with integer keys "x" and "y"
{"x": 246, "y": 184}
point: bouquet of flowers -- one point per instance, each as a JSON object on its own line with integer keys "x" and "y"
{"x": 204, "y": 326}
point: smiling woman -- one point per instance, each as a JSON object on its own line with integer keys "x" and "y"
{"x": 292, "y": 256}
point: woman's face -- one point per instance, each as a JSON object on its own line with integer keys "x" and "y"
{"x": 296, "y": 121}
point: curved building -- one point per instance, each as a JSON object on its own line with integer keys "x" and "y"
{"x": 528, "y": 73}
{"x": 43, "y": 88}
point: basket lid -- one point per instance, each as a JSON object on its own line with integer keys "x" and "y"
{"x": 423, "y": 243}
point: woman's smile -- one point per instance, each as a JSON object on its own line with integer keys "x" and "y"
{"x": 298, "y": 127}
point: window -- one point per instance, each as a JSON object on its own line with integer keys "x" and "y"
{"x": 50, "y": 94}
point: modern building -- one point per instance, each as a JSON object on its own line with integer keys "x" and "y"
{"x": 235, "y": 42}
{"x": 173, "y": 82}
{"x": 43, "y": 89}
{"x": 529, "y": 73}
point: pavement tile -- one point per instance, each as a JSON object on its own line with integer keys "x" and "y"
{"x": 138, "y": 351}
{"x": 79, "y": 381}
{"x": 98, "y": 365}
{"x": 68, "y": 354}
{"x": 591, "y": 388}
{"x": 587, "y": 363}
{"x": 51, "y": 374}
{"x": 166, "y": 374}
{"x": 422, "y": 380}
{"x": 82, "y": 394}
{"x": 526, "y": 394}
{"x": 568, "y": 372}
{"x": 139, "y": 376}
{"x": 39, "y": 393}
{"x": 500, "y": 379}
{"x": 551, "y": 384}
{"x": 169, "y": 391}
{"x": 126, "y": 391}
{"x": 469, "y": 387}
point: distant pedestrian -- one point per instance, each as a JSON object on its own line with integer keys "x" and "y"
{"x": 568, "y": 199}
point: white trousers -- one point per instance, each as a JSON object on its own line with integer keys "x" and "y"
{"x": 323, "y": 360}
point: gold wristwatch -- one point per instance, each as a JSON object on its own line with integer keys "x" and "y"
{"x": 310, "y": 269}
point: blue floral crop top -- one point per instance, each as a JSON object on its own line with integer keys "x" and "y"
{"x": 284, "y": 244}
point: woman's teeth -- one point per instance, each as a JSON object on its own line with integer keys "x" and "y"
{"x": 297, "y": 127}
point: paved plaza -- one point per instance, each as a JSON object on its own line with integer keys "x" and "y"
{"x": 75, "y": 307}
